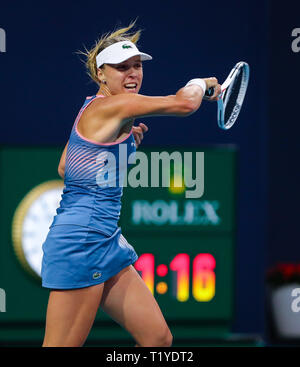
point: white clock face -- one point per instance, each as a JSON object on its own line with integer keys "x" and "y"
{"x": 36, "y": 219}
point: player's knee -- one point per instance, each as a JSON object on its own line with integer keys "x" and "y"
{"x": 168, "y": 340}
{"x": 164, "y": 338}
{"x": 69, "y": 342}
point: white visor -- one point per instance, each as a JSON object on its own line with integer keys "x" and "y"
{"x": 119, "y": 52}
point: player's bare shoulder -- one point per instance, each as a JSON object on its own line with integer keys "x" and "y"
{"x": 109, "y": 107}
{"x": 100, "y": 120}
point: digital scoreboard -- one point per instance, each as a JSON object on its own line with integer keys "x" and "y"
{"x": 186, "y": 245}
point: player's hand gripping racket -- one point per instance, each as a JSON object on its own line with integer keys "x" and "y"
{"x": 232, "y": 96}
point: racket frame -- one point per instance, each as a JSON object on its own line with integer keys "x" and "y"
{"x": 222, "y": 97}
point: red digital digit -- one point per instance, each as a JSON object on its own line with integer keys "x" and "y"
{"x": 204, "y": 277}
{"x": 181, "y": 264}
{"x": 145, "y": 265}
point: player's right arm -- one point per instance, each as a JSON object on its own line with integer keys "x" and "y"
{"x": 124, "y": 107}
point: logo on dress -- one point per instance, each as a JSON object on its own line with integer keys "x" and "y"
{"x": 96, "y": 275}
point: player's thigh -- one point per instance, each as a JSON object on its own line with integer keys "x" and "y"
{"x": 70, "y": 315}
{"x": 127, "y": 299}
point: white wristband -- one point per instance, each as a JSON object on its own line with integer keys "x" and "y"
{"x": 200, "y": 82}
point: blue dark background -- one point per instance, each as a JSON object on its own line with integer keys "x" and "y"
{"x": 43, "y": 84}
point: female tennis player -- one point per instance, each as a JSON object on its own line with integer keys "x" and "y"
{"x": 87, "y": 262}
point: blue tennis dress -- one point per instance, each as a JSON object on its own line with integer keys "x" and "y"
{"x": 85, "y": 246}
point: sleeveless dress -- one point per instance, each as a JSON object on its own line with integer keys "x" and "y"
{"x": 84, "y": 245}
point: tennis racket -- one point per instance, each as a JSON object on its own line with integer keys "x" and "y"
{"x": 232, "y": 96}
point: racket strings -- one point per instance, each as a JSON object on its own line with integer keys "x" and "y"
{"x": 235, "y": 87}
{"x": 231, "y": 98}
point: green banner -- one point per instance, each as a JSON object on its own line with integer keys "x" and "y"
{"x": 185, "y": 244}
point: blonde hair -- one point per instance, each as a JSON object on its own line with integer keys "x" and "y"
{"x": 121, "y": 34}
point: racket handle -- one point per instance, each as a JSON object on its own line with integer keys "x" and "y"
{"x": 210, "y": 92}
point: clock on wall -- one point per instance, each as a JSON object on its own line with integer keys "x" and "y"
{"x": 31, "y": 222}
